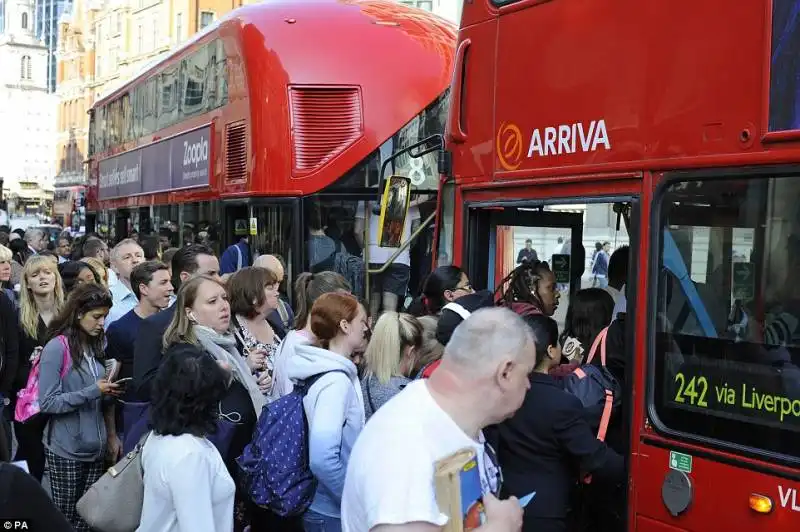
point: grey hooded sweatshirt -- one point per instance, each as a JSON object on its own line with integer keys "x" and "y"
{"x": 75, "y": 427}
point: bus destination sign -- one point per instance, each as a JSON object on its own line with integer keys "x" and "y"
{"x": 740, "y": 391}
{"x": 177, "y": 163}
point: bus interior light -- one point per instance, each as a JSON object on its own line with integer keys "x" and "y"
{"x": 760, "y": 503}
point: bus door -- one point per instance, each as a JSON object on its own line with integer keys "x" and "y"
{"x": 563, "y": 233}
{"x": 269, "y": 223}
{"x": 569, "y": 228}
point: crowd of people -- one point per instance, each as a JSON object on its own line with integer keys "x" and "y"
{"x": 158, "y": 348}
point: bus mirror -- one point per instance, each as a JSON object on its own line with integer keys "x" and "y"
{"x": 394, "y": 210}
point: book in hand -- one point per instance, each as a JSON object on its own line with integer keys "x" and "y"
{"x": 458, "y": 491}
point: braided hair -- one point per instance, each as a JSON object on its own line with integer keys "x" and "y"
{"x": 522, "y": 284}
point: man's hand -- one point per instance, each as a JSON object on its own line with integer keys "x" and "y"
{"x": 505, "y": 516}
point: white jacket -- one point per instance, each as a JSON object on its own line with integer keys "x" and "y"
{"x": 334, "y": 407}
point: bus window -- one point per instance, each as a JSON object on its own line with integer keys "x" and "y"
{"x": 727, "y": 343}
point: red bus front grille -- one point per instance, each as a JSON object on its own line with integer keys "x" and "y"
{"x": 325, "y": 121}
{"x": 236, "y": 152}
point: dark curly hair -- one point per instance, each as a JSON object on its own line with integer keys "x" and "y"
{"x": 522, "y": 283}
{"x": 186, "y": 393}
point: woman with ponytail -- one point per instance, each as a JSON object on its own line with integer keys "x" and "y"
{"x": 307, "y": 288}
{"x": 443, "y": 285}
{"x": 389, "y": 358}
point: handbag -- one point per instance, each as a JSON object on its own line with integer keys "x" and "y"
{"x": 114, "y": 502}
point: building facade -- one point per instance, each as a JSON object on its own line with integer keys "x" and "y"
{"x": 101, "y": 44}
{"x": 449, "y": 9}
{"x": 28, "y": 112}
{"x": 75, "y": 56}
{"x": 46, "y": 16}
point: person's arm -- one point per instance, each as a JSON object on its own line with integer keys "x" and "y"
{"x": 27, "y": 500}
{"x": 10, "y": 356}
{"x": 501, "y": 516}
{"x": 594, "y": 457}
{"x": 520, "y": 256}
{"x": 190, "y": 483}
{"x": 358, "y": 226}
{"x": 114, "y": 443}
{"x": 325, "y": 433}
{"x": 52, "y": 398}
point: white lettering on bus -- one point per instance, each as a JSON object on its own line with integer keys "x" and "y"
{"x": 788, "y": 495}
{"x": 564, "y": 139}
{"x": 195, "y": 153}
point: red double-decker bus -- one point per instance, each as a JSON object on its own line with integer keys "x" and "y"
{"x": 274, "y": 123}
{"x": 674, "y": 128}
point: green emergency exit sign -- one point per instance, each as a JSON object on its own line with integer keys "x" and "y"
{"x": 680, "y": 462}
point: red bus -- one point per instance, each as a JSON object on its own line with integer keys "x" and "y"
{"x": 278, "y": 117}
{"x": 69, "y": 207}
{"x": 673, "y": 127}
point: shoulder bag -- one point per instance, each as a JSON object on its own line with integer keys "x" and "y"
{"x": 114, "y": 502}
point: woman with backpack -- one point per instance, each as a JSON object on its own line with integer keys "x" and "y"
{"x": 547, "y": 447}
{"x": 389, "y": 358}
{"x": 80, "y": 431}
{"x": 334, "y": 403}
{"x": 530, "y": 290}
{"x": 307, "y": 288}
{"x": 41, "y": 298}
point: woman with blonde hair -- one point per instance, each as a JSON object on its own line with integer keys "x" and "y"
{"x": 41, "y": 298}
{"x": 6, "y": 258}
{"x": 431, "y": 350}
{"x": 389, "y": 358}
{"x": 99, "y": 268}
{"x": 201, "y": 325}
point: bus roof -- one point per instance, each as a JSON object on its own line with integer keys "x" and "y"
{"x": 381, "y": 12}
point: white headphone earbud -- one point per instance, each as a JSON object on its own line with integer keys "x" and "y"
{"x": 192, "y": 318}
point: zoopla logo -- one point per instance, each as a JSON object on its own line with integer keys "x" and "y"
{"x": 195, "y": 153}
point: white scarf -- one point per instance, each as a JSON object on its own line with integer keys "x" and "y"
{"x": 223, "y": 348}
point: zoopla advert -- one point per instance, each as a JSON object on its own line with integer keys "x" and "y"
{"x": 177, "y": 163}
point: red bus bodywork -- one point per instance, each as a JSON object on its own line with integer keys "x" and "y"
{"x": 313, "y": 99}
{"x": 678, "y": 85}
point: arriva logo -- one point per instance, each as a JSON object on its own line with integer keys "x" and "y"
{"x": 509, "y": 146}
{"x": 195, "y": 153}
{"x": 553, "y": 140}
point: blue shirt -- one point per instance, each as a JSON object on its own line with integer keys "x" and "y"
{"x": 123, "y": 300}
{"x": 229, "y": 261}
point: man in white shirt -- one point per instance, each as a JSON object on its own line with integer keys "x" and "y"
{"x": 389, "y": 287}
{"x": 482, "y": 380}
{"x": 124, "y": 258}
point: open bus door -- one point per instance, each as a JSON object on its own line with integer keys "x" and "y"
{"x": 564, "y": 222}
{"x": 394, "y": 200}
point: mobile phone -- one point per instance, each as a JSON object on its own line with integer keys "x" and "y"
{"x": 124, "y": 381}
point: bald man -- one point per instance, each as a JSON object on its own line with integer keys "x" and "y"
{"x": 282, "y": 318}
{"x": 271, "y": 263}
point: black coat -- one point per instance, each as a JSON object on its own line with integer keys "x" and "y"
{"x": 548, "y": 447}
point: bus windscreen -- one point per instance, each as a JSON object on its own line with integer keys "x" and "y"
{"x": 727, "y": 342}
